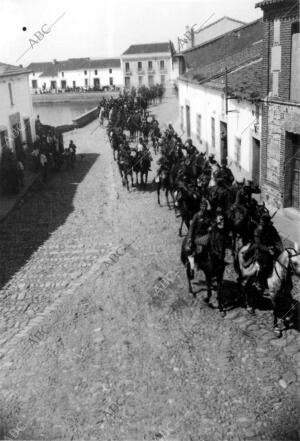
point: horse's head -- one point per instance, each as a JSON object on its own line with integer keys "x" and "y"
{"x": 294, "y": 259}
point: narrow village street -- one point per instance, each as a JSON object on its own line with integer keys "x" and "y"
{"x": 100, "y": 339}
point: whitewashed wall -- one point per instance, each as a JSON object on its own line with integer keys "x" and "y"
{"x": 22, "y": 103}
{"x": 209, "y": 102}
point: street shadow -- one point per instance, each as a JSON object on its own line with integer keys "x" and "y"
{"x": 43, "y": 209}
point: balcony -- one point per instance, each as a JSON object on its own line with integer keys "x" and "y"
{"x": 127, "y": 72}
{"x": 163, "y": 71}
{"x": 141, "y": 72}
{"x": 151, "y": 71}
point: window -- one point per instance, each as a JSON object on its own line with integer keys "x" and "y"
{"x": 86, "y": 82}
{"x": 295, "y": 63}
{"x": 10, "y": 94}
{"x": 162, "y": 64}
{"x": 199, "y": 126}
{"x": 111, "y": 81}
{"x": 140, "y": 66}
{"x": 151, "y": 80}
{"x": 140, "y": 81}
{"x": 237, "y": 152}
{"x": 96, "y": 72}
{"x": 34, "y": 84}
{"x": 150, "y": 65}
{"x": 127, "y": 82}
{"x": 276, "y": 39}
{"x": 74, "y": 84}
{"x": 63, "y": 84}
{"x": 275, "y": 80}
{"x": 33, "y": 74}
{"x": 110, "y": 71}
{"x": 213, "y": 133}
{"x": 62, "y": 74}
{"x": 127, "y": 67}
{"x": 85, "y": 72}
{"x": 162, "y": 79}
{"x": 181, "y": 117}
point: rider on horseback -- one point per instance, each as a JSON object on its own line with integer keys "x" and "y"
{"x": 198, "y": 231}
{"x": 224, "y": 174}
{"x": 266, "y": 247}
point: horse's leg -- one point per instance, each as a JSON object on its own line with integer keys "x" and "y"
{"x": 180, "y": 228}
{"x": 189, "y": 278}
{"x": 220, "y": 295}
{"x": 278, "y": 322}
{"x": 209, "y": 287}
{"x": 158, "y": 192}
{"x": 167, "y": 197}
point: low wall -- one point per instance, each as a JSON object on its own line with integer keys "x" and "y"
{"x": 71, "y": 97}
{"x": 86, "y": 118}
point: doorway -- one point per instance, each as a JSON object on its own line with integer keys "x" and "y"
{"x": 96, "y": 83}
{"x": 292, "y": 171}
{"x": 255, "y": 161}
{"x": 223, "y": 140}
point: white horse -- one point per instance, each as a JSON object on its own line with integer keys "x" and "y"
{"x": 279, "y": 283}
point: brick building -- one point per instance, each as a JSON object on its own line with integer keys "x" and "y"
{"x": 280, "y": 150}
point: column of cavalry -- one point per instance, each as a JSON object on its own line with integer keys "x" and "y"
{"x": 221, "y": 215}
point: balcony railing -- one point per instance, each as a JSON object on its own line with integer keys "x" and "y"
{"x": 151, "y": 71}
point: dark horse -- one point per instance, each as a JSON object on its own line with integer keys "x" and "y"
{"x": 212, "y": 268}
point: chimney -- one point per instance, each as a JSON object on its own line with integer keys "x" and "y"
{"x": 54, "y": 61}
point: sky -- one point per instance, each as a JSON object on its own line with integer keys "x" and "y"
{"x": 103, "y": 28}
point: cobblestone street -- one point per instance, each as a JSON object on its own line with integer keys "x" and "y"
{"x": 91, "y": 349}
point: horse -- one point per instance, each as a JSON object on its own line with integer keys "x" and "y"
{"x": 279, "y": 283}
{"x": 187, "y": 202}
{"x": 145, "y": 166}
{"x": 125, "y": 169}
{"x": 211, "y": 267}
{"x": 167, "y": 179}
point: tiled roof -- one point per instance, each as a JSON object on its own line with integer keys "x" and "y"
{"x": 203, "y": 73}
{"x": 74, "y": 64}
{"x": 51, "y": 69}
{"x": 245, "y": 82}
{"x": 272, "y": 2}
{"x": 9, "y": 69}
{"x": 147, "y": 48}
{"x": 106, "y": 63}
{"x": 40, "y": 67}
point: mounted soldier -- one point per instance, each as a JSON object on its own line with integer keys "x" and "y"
{"x": 224, "y": 174}
{"x": 265, "y": 248}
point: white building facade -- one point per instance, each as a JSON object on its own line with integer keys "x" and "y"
{"x": 235, "y": 135}
{"x": 17, "y": 122}
{"x": 147, "y": 65}
{"x": 76, "y": 73}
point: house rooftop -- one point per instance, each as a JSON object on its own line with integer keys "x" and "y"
{"x": 51, "y": 69}
{"x": 9, "y": 69}
{"x": 244, "y": 82}
{"x": 148, "y": 48}
{"x": 218, "y": 21}
{"x": 266, "y": 3}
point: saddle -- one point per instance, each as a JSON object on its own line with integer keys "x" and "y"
{"x": 250, "y": 267}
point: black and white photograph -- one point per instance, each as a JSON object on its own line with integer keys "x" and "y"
{"x": 150, "y": 220}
